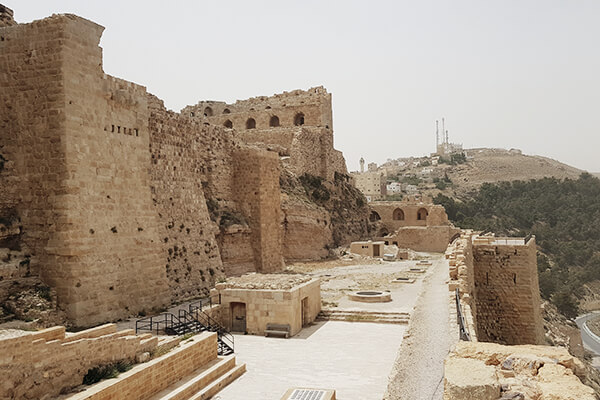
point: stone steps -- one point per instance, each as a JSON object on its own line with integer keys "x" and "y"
{"x": 218, "y": 384}
{"x": 383, "y": 317}
{"x": 210, "y": 379}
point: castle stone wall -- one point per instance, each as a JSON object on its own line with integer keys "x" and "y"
{"x": 179, "y": 171}
{"x": 498, "y": 286}
{"x": 297, "y": 124}
{"x": 87, "y": 203}
{"x": 507, "y": 294}
{"x": 258, "y": 196}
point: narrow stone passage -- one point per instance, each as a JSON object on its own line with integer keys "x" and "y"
{"x": 419, "y": 368}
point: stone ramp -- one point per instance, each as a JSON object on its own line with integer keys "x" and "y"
{"x": 350, "y": 315}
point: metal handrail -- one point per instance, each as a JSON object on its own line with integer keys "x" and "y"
{"x": 214, "y": 326}
{"x": 463, "y": 332}
{"x": 164, "y": 320}
{"x": 200, "y": 304}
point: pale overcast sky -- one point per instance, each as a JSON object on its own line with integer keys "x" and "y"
{"x": 506, "y": 73}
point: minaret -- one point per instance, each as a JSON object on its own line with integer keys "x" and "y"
{"x": 362, "y": 164}
{"x": 437, "y": 135}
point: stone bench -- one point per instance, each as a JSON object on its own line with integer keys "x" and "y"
{"x": 278, "y": 330}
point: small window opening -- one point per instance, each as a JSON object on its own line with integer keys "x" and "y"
{"x": 299, "y": 119}
{"x": 251, "y": 123}
{"x": 228, "y": 124}
{"x": 208, "y": 112}
{"x": 226, "y": 111}
{"x": 274, "y": 121}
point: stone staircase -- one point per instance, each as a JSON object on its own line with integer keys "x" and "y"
{"x": 381, "y": 317}
{"x": 191, "y": 370}
{"x": 204, "y": 383}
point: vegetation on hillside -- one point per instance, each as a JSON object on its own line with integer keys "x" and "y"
{"x": 564, "y": 215}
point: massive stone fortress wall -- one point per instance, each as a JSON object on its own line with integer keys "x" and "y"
{"x": 179, "y": 172}
{"x": 76, "y": 144}
{"x": 296, "y": 124}
{"x": 498, "y": 285}
{"x": 122, "y": 206}
{"x": 107, "y": 191}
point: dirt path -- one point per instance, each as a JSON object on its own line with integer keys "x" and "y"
{"x": 419, "y": 367}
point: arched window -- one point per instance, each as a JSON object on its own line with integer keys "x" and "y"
{"x": 398, "y": 214}
{"x": 274, "y": 121}
{"x": 226, "y": 111}
{"x": 383, "y": 232}
{"x": 208, "y": 112}
{"x": 374, "y": 216}
{"x": 422, "y": 214}
{"x": 228, "y": 124}
{"x": 251, "y": 123}
{"x": 299, "y": 119}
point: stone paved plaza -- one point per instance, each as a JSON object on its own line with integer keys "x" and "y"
{"x": 353, "y": 358}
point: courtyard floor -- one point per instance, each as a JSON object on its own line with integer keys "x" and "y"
{"x": 354, "y": 358}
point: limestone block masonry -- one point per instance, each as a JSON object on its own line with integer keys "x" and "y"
{"x": 507, "y": 293}
{"x": 76, "y": 144}
{"x": 43, "y": 364}
{"x": 296, "y": 124}
{"x": 122, "y": 206}
{"x": 498, "y": 286}
{"x": 414, "y": 223}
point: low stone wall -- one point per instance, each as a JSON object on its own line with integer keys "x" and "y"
{"x": 149, "y": 378}
{"x": 513, "y": 372}
{"x": 43, "y": 364}
{"x": 422, "y": 238}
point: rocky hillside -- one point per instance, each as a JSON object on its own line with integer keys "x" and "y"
{"x": 495, "y": 165}
{"x": 321, "y": 215}
{"x": 461, "y": 176}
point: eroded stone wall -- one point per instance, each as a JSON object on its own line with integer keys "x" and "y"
{"x": 413, "y": 223}
{"x": 498, "y": 287}
{"x": 258, "y": 196}
{"x": 179, "y": 171}
{"x": 296, "y": 124}
{"x": 507, "y": 293}
{"x": 77, "y": 149}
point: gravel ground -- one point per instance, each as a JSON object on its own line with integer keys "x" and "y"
{"x": 419, "y": 367}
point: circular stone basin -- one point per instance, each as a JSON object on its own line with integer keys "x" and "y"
{"x": 371, "y": 296}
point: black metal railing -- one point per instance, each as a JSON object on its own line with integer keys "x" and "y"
{"x": 212, "y": 325}
{"x": 157, "y": 323}
{"x": 204, "y": 303}
{"x": 189, "y": 321}
{"x": 462, "y": 326}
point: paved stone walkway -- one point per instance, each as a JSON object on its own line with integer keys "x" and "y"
{"x": 419, "y": 368}
{"x": 354, "y": 358}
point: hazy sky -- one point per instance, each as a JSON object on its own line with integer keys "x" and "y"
{"x": 512, "y": 74}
